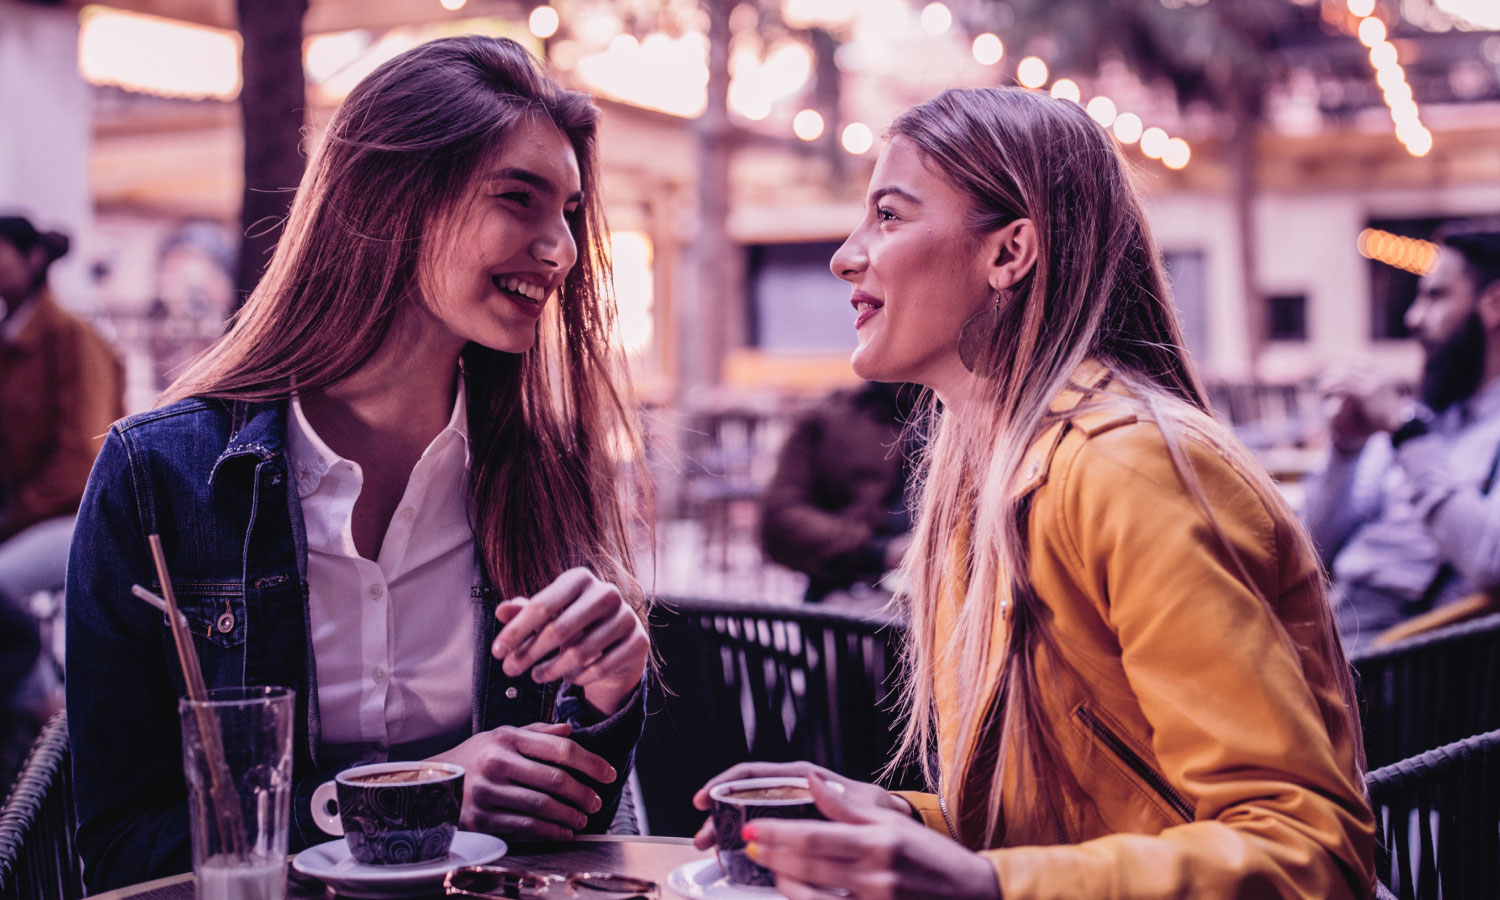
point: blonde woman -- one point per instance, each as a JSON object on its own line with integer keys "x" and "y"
{"x": 1124, "y": 680}
{"x": 390, "y": 486}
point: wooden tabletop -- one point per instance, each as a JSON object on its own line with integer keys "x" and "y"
{"x": 642, "y": 857}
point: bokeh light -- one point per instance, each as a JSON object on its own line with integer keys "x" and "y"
{"x": 1128, "y": 128}
{"x": 1031, "y": 72}
{"x": 1102, "y": 110}
{"x": 808, "y": 125}
{"x": 858, "y": 138}
{"x": 453, "y": 5}
{"x": 543, "y": 22}
{"x": 1371, "y": 31}
{"x": 1361, "y": 8}
{"x": 1066, "y": 89}
{"x": 936, "y": 18}
{"x": 1176, "y": 154}
{"x": 1154, "y": 142}
{"x": 1383, "y": 55}
{"x": 988, "y": 49}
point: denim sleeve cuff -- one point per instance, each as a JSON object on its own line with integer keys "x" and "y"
{"x": 611, "y": 737}
{"x": 574, "y": 708}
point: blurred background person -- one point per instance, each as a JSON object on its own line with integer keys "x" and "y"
{"x": 60, "y": 388}
{"x": 1404, "y": 513}
{"x": 836, "y": 508}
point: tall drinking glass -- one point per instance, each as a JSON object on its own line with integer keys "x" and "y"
{"x": 237, "y": 754}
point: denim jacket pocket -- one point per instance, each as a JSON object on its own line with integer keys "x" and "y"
{"x": 215, "y": 610}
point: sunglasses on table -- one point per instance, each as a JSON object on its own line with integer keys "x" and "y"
{"x": 500, "y": 883}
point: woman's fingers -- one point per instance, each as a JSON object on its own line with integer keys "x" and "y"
{"x": 588, "y": 643}
{"x": 707, "y": 836}
{"x": 758, "y": 770}
{"x": 560, "y": 751}
{"x": 524, "y": 801}
{"x": 555, "y": 618}
{"x": 509, "y": 823}
{"x": 540, "y": 778}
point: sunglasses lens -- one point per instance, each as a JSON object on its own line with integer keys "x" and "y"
{"x": 494, "y": 882}
{"x": 597, "y": 885}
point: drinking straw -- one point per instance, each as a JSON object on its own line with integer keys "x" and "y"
{"x": 221, "y": 782}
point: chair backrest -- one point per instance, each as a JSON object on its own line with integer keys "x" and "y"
{"x": 1438, "y": 821}
{"x": 38, "y": 860}
{"x": 1430, "y": 690}
{"x": 743, "y": 681}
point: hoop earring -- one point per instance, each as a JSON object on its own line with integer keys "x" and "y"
{"x": 976, "y": 339}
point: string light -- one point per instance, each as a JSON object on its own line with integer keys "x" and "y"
{"x": 1361, "y": 8}
{"x": 1031, "y": 72}
{"x": 1128, "y": 128}
{"x": 988, "y": 49}
{"x": 1154, "y": 142}
{"x": 1177, "y": 153}
{"x": 453, "y": 5}
{"x": 1102, "y": 110}
{"x": 1395, "y": 250}
{"x": 858, "y": 138}
{"x": 1392, "y": 81}
{"x": 808, "y": 125}
{"x": 1066, "y": 89}
{"x": 543, "y": 22}
{"x": 936, "y": 18}
{"x": 1371, "y": 31}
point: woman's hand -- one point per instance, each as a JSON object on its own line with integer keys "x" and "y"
{"x": 858, "y": 792}
{"x": 519, "y": 781}
{"x": 599, "y": 641}
{"x": 865, "y": 851}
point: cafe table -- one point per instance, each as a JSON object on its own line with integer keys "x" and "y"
{"x": 638, "y": 856}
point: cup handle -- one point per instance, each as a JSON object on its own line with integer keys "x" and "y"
{"x": 324, "y": 799}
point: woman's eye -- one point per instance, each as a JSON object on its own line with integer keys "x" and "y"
{"x": 522, "y": 198}
{"x": 572, "y": 215}
{"x": 884, "y": 214}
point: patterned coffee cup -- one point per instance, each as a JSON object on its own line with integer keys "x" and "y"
{"x": 736, "y": 802}
{"x": 392, "y": 814}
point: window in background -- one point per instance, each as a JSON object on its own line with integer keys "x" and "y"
{"x": 1287, "y": 317}
{"x": 1187, "y": 273}
{"x": 796, "y": 303}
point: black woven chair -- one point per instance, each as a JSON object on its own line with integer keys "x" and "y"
{"x": 1438, "y": 821}
{"x": 742, "y": 681}
{"x": 38, "y": 860}
{"x": 1430, "y": 690}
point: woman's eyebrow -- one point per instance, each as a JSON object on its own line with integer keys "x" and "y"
{"x": 891, "y": 190}
{"x": 541, "y": 182}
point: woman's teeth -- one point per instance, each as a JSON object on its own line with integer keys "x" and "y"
{"x": 524, "y": 288}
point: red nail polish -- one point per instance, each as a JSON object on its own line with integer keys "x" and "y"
{"x": 748, "y": 832}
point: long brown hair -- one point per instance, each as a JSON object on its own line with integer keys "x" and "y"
{"x": 1097, "y": 291}
{"x": 546, "y": 427}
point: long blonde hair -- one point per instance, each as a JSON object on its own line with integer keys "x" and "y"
{"x": 547, "y": 427}
{"x": 1097, "y": 291}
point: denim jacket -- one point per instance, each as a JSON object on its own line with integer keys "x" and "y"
{"x": 210, "y": 477}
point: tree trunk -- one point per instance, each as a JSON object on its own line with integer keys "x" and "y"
{"x": 708, "y": 318}
{"x": 1243, "y": 159}
{"x": 272, "y": 102}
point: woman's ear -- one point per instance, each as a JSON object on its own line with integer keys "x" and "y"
{"x": 1012, "y": 251}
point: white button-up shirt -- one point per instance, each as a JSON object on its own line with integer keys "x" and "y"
{"x": 393, "y": 638}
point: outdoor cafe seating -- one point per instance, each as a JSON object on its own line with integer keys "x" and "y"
{"x": 740, "y": 681}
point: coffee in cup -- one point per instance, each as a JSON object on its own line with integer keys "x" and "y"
{"x": 392, "y": 814}
{"x": 736, "y": 802}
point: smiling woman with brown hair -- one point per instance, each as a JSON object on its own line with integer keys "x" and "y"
{"x": 392, "y": 486}
{"x": 1123, "y": 677}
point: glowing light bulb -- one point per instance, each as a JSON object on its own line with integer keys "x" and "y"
{"x": 1383, "y": 55}
{"x": 1154, "y": 142}
{"x": 1031, "y": 72}
{"x": 936, "y": 18}
{"x": 988, "y": 49}
{"x": 1066, "y": 89}
{"x": 1361, "y": 8}
{"x": 1102, "y": 110}
{"x": 808, "y": 125}
{"x": 1177, "y": 154}
{"x": 544, "y": 21}
{"x": 1371, "y": 31}
{"x": 1420, "y": 143}
{"x": 1128, "y": 128}
{"x": 858, "y": 138}
{"x": 453, "y": 5}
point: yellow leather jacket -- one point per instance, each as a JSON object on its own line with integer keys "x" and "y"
{"x": 1213, "y": 754}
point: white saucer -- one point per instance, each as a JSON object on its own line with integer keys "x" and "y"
{"x": 331, "y": 864}
{"x": 702, "y": 878}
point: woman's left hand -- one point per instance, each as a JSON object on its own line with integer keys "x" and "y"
{"x": 599, "y": 641}
{"x": 866, "y": 852}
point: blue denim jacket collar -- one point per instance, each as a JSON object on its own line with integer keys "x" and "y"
{"x": 257, "y": 430}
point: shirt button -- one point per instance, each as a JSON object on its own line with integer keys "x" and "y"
{"x": 408, "y": 513}
{"x": 376, "y": 592}
{"x": 378, "y": 675}
{"x": 511, "y": 693}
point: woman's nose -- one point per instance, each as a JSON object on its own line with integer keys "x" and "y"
{"x": 555, "y": 247}
{"x": 848, "y": 260}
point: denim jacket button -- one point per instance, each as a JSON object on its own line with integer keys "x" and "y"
{"x": 225, "y": 623}
{"x": 511, "y": 693}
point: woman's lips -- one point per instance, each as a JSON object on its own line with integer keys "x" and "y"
{"x": 865, "y": 306}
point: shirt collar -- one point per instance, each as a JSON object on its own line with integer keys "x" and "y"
{"x": 1485, "y": 404}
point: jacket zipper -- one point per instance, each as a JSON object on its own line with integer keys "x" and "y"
{"x": 1141, "y": 768}
{"x": 943, "y": 807}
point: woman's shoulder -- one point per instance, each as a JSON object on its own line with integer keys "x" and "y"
{"x": 191, "y": 415}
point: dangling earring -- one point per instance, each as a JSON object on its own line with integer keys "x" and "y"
{"x": 976, "y": 339}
